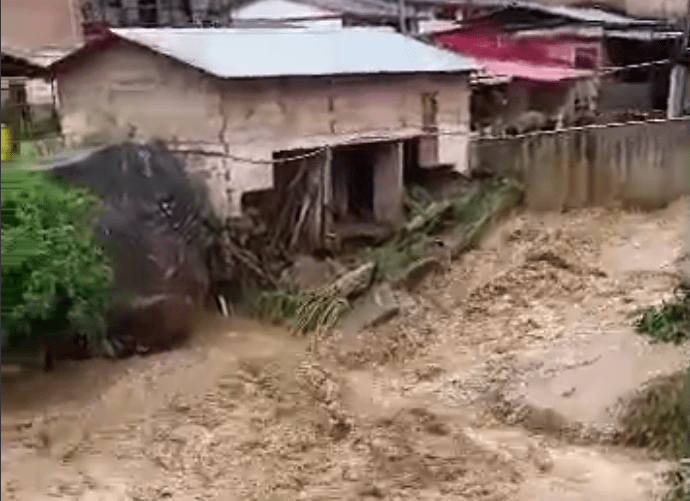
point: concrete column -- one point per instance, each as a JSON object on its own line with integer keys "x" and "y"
{"x": 453, "y": 150}
{"x": 679, "y": 78}
{"x": 388, "y": 183}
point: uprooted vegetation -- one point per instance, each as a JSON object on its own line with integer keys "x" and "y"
{"x": 462, "y": 221}
{"x": 468, "y": 217}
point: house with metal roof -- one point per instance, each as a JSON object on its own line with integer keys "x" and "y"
{"x": 318, "y": 14}
{"x": 251, "y": 108}
{"x": 27, "y": 96}
{"x": 578, "y": 53}
{"x": 662, "y": 9}
{"x": 329, "y": 14}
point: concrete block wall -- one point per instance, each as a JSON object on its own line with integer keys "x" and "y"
{"x": 646, "y": 164}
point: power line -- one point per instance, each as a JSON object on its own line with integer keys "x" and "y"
{"x": 321, "y": 149}
{"x": 438, "y": 133}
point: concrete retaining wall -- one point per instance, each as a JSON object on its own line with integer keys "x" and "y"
{"x": 644, "y": 164}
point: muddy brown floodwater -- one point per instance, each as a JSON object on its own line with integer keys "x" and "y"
{"x": 250, "y": 412}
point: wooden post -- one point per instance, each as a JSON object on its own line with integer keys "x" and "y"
{"x": 401, "y": 14}
{"x": 159, "y": 13}
{"x": 327, "y": 182}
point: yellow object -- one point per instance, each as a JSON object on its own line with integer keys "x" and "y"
{"x": 6, "y": 143}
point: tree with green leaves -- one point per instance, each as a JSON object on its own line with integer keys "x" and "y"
{"x": 56, "y": 278}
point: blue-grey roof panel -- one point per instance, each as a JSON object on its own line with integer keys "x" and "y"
{"x": 237, "y": 53}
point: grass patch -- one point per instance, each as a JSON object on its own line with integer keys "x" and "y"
{"x": 303, "y": 311}
{"x": 670, "y": 322}
{"x": 657, "y": 417}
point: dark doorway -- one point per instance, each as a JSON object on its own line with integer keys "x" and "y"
{"x": 353, "y": 184}
{"x": 148, "y": 12}
{"x": 360, "y": 186}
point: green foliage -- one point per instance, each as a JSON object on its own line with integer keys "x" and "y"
{"x": 669, "y": 322}
{"x": 54, "y": 274}
{"x": 305, "y": 311}
{"x": 659, "y": 417}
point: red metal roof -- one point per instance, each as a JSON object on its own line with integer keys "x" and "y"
{"x": 530, "y": 71}
{"x": 494, "y": 45}
{"x": 502, "y": 55}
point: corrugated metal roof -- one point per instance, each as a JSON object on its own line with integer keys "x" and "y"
{"x": 252, "y": 24}
{"x": 648, "y": 35}
{"x": 14, "y": 65}
{"x": 535, "y": 72}
{"x": 356, "y": 7}
{"x": 238, "y": 53}
{"x": 44, "y": 56}
{"x": 589, "y": 15}
{"x": 364, "y": 8}
{"x": 582, "y": 14}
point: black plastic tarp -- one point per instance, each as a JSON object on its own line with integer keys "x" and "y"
{"x": 152, "y": 224}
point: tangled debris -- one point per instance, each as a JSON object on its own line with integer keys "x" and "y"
{"x": 404, "y": 260}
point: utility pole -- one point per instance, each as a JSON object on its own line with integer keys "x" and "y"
{"x": 678, "y": 90}
{"x": 401, "y": 14}
{"x": 686, "y": 487}
{"x": 75, "y": 21}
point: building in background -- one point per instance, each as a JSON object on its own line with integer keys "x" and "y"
{"x": 663, "y": 9}
{"x": 658, "y": 9}
{"x": 329, "y": 14}
{"x": 319, "y": 14}
{"x": 19, "y": 116}
{"x": 38, "y": 32}
{"x": 572, "y": 65}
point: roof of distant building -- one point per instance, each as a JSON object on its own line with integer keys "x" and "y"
{"x": 363, "y": 8}
{"x": 252, "y": 24}
{"x": 238, "y": 53}
{"x": 16, "y": 65}
{"x": 581, "y": 14}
